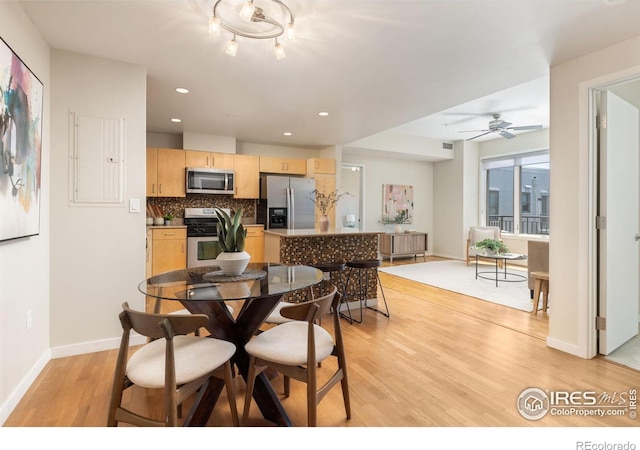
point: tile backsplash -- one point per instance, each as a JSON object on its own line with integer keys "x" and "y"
{"x": 176, "y": 205}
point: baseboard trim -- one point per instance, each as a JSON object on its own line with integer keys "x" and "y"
{"x": 566, "y": 347}
{"x": 93, "y": 346}
{"x": 14, "y": 398}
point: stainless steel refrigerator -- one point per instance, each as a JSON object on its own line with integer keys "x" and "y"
{"x": 286, "y": 202}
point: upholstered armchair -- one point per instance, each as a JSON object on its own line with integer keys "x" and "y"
{"x": 477, "y": 234}
{"x": 537, "y": 259}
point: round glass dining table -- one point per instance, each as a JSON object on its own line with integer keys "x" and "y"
{"x": 204, "y": 290}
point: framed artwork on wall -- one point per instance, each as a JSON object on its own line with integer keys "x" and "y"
{"x": 397, "y": 203}
{"x": 21, "y": 109}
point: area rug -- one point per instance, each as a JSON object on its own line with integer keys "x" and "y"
{"x": 456, "y": 276}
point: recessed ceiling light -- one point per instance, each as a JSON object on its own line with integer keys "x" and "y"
{"x": 288, "y": 133}
{"x": 176, "y": 120}
{"x": 182, "y": 90}
{"x": 323, "y": 113}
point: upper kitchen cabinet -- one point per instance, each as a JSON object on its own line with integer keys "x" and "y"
{"x": 165, "y": 172}
{"x": 246, "y": 170}
{"x": 324, "y": 166}
{"x": 283, "y": 165}
{"x": 211, "y": 160}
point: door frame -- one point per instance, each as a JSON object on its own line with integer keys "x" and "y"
{"x": 590, "y": 110}
{"x": 361, "y": 194}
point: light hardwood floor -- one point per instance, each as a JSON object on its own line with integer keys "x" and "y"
{"x": 440, "y": 360}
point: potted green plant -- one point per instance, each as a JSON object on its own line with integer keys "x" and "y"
{"x": 401, "y": 217}
{"x": 492, "y": 246}
{"x": 168, "y": 217}
{"x": 233, "y": 260}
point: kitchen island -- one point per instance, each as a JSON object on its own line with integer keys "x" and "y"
{"x": 311, "y": 246}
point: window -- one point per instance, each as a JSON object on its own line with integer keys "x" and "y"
{"x": 526, "y": 174}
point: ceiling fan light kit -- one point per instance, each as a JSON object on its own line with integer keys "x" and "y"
{"x": 499, "y": 126}
{"x": 264, "y": 19}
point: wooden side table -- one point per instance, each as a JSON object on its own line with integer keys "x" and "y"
{"x": 403, "y": 244}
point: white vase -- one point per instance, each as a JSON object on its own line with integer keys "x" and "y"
{"x": 233, "y": 263}
{"x": 398, "y": 228}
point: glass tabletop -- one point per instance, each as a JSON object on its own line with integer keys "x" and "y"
{"x": 209, "y": 284}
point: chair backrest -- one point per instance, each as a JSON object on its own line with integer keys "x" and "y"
{"x": 477, "y": 234}
{"x": 537, "y": 258}
{"x": 309, "y": 311}
{"x": 157, "y": 326}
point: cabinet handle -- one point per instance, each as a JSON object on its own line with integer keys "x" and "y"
{"x": 208, "y": 161}
{"x": 281, "y": 166}
{"x": 213, "y": 161}
{"x": 153, "y": 188}
{"x": 160, "y": 188}
{"x": 316, "y": 165}
{"x": 287, "y": 165}
{"x": 169, "y": 234}
{"x": 182, "y": 248}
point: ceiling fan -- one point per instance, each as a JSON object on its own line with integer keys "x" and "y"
{"x": 497, "y": 125}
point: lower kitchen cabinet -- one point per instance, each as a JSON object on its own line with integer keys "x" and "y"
{"x": 254, "y": 243}
{"x": 168, "y": 249}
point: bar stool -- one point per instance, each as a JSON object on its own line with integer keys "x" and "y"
{"x": 541, "y": 286}
{"x": 332, "y": 273}
{"x": 363, "y": 268}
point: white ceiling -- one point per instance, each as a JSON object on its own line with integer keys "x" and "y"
{"x": 373, "y": 65}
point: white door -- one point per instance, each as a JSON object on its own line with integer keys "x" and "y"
{"x": 619, "y": 204}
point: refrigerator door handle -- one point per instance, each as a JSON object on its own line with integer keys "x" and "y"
{"x": 288, "y": 195}
{"x": 293, "y": 208}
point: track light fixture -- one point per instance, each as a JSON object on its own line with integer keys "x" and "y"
{"x": 252, "y": 19}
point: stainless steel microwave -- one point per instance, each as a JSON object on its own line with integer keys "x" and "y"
{"x": 210, "y": 181}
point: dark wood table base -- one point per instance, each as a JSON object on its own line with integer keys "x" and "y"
{"x": 239, "y": 331}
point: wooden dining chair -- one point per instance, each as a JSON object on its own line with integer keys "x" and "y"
{"x": 295, "y": 348}
{"x": 180, "y": 365}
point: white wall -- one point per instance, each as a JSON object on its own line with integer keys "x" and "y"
{"x": 24, "y": 263}
{"x": 570, "y": 208}
{"x": 379, "y": 171}
{"x": 448, "y": 194}
{"x": 97, "y": 252}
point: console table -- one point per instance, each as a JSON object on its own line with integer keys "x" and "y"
{"x": 404, "y": 244}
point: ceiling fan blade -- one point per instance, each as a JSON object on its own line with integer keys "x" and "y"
{"x": 527, "y": 127}
{"x": 506, "y": 134}
{"x": 473, "y": 131}
{"x": 470, "y": 139}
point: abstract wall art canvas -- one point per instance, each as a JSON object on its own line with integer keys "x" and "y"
{"x": 21, "y": 109}
{"x": 397, "y": 203}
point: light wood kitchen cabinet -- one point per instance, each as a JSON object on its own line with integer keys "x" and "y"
{"x": 326, "y": 184}
{"x": 283, "y": 165}
{"x": 403, "y": 244}
{"x": 247, "y": 176}
{"x": 165, "y": 172}
{"x": 211, "y": 160}
{"x": 168, "y": 249}
{"x": 254, "y": 243}
{"x": 325, "y": 166}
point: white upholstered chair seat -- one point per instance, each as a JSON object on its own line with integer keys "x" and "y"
{"x": 287, "y": 344}
{"x": 275, "y": 317}
{"x": 195, "y": 357}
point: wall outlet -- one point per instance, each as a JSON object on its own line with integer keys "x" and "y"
{"x": 28, "y": 322}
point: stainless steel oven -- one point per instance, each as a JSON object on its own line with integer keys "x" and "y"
{"x": 202, "y": 236}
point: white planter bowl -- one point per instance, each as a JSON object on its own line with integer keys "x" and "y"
{"x": 233, "y": 263}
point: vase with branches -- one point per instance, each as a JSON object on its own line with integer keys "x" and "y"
{"x": 324, "y": 202}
